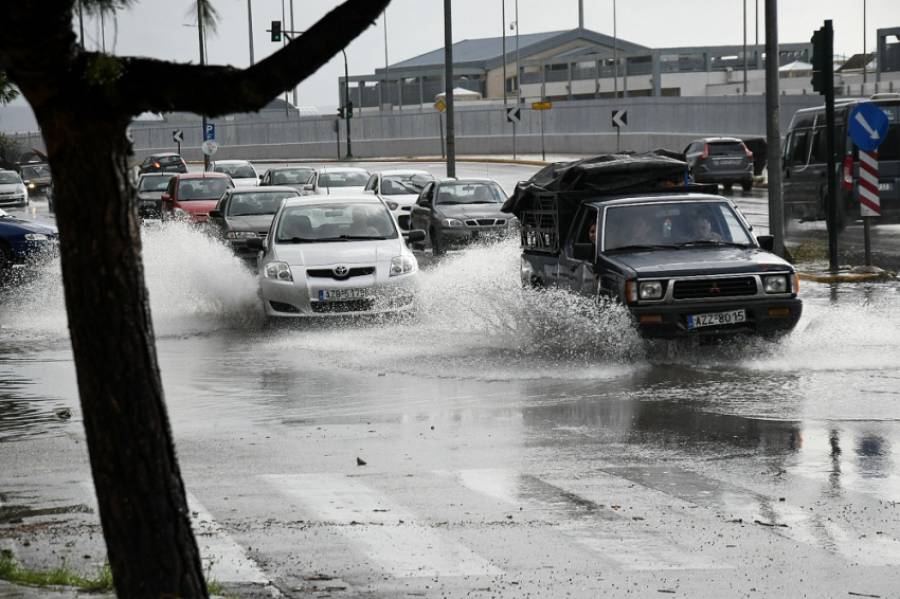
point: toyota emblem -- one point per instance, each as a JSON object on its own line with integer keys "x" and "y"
{"x": 341, "y": 271}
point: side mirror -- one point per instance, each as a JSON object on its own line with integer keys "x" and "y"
{"x": 425, "y": 203}
{"x": 256, "y": 243}
{"x": 166, "y": 197}
{"x": 583, "y": 251}
{"x": 766, "y": 242}
{"x": 416, "y": 236}
{"x": 215, "y": 214}
{"x": 260, "y": 177}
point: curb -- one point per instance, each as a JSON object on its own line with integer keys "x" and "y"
{"x": 846, "y": 277}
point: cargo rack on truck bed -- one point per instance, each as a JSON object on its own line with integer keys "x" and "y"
{"x": 546, "y": 204}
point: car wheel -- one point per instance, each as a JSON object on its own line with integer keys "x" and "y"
{"x": 437, "y": 248}
{"x": 747, "y": 185}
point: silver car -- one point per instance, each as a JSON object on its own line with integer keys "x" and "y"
{"x": 339, "y": 180}
{"x": 399, "y": 189}
{"x": 341, "y": 255}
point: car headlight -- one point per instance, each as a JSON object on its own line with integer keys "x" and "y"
{"x": 776, "y": 284}
{"x": 240, "y": 235}
{"x": 401, "y": 265}
{"x": 280, "y": 271}
{"x": 35, "y": 237}
{"x": 452, "y": 223}
{"x": 21, "y": 188}
{"x": 650, "y": 290}
{"x": 31, "y": 185}
{"x": 393, "y": 205}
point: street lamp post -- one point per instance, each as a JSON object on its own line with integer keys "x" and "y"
{"x": 517, "y": 79}
{"x": 448, "y": 88}
{"x": 745, "y": 47}
{"x": 202, "y": 63}
{"x": 615, "y": 55}
{"x": 865, "y": 62}
{"x": 348, "y": 105}
{"x": 503, "y": 34}
{"x": 250, "y": 28}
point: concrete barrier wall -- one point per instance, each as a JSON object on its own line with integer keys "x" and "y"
{"x": 580, "y": 127}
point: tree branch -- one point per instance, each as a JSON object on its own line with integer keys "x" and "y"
{"x": 160, "y": 86}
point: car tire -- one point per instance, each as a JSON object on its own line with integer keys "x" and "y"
{"x": 437, "y": 248}
{"x": 746, "y": 185}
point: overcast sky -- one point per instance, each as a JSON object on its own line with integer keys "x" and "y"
{"x": 164, "y": 29}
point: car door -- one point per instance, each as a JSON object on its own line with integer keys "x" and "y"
{"x": 217, "y": 215}
{"x": 372, "y": 185}
{"x": 691, "y": 152}
{"x": 422, "y": 209}
{"x": 577, "y": 260}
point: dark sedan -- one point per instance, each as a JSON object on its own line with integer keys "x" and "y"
{"x": 23, "y": 241}
{"x": 456, "y": 212}
{"x": 165, "y": 162}
{"x": 246, "y": 213}
{"x": 150, "y": 189}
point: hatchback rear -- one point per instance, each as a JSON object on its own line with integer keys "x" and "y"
{"x": 722, "y": 160}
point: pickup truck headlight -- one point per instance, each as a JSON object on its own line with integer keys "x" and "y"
{"x": 776, "y": 284}
{"x": 279, "y": 271}
{"x": 452, "y": 223}
{"x": 650, "y": 290}
{"x": 401, "y": 265}
{"x": 240, "y": 235}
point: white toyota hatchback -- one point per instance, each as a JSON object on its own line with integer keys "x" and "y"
{"x": 336, "y": 255}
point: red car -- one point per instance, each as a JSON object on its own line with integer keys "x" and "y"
{"x": 193, "y": 195}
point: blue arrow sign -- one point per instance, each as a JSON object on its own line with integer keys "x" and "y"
{"x": 210, "y": 132}
{"x": 868, "y": 126}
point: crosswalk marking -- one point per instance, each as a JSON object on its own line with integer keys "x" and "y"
{"x": 373, "y": 522}
{"x": 615, "y": 537}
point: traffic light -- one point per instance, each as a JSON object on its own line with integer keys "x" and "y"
{"x": 822, "y": 77}
{"x": 276, "y": 31}
{"x": 340, "y": 112}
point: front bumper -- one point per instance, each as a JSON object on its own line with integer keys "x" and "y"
{"x": 32, "y": 253}
{"x": 723, "y": 175}
{"x": 299, "y": 298}
{"x": 16, "y": 200}
{"x": 462, "y": 236}
{"x": 764, "y": 316}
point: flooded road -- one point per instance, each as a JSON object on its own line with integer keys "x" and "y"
{"x": 515, "y": 443}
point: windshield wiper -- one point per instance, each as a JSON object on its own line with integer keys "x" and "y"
{"x": 712, "y": 242}
{"x": 632, "y": 248}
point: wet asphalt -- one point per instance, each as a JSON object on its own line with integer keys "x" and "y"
{"x": 514, "y": 444}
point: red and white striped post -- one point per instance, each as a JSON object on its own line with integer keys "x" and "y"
{"x": 869, "y": 200}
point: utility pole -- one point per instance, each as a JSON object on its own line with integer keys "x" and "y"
{"x": 448, "y": 85}
{"x": 386, "y": 73}
{"x": 503, "y": 33}
{"x": 615, "y": 55}
{"x": 773, "y": 129}
{"x": 823, "y": 82}
{"x": 518, "y": 82}
{"x": 581, "y": 14}
{"x": 250, "y": 28}
{"x": 296, "y": 102}
{"x": 283, "y": 44}
{"x": 865, "y": 62}
{"x": 348, "y": 105}
{"x": 745, "y": 47}
{"x": 202, "y": 63}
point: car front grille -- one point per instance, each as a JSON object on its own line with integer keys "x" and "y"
{"x": 485, "y": 222}
{"x": 363, "y": 305}
{"x": 328, "y": 273}
{"x": 712, "y": 288}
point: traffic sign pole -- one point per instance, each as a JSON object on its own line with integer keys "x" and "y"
{"x": 869, "y": 200}
{"x": 543, "y": 151}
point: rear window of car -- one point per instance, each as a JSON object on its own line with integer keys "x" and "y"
{"x": 258, "y": 203}
{"x": 236, "y": 171}
{"x": 722, "y": 148}
{"x": 298, "y": 176}
{"x": 153, "y": 183}
{"x": 169, "y": 159}
{"x": 343, "y": 179}
{"x": 202, "y": 189}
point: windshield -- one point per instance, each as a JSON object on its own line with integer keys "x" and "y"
{"x": 343, "y": 179}
{"x": 9, "y": 177}
{"x": 202, "y": 189}
{"x": 469, "y": 193}
{"x": 335, "y": 222}
{"x": 252, "y": 204}
{"x": 395, "y": 185}
{"x": 35, "y": 172}
{"x": 299, "y": 176}
{"x": 671, "y": 224}
{"x": 236, "y": 171}
{"x": 153, "y": 183}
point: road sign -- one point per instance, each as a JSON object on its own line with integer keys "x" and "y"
{"x": 619, "y": 118}
{"x": 514, "y": 115}
{"x": 541, "y": 105}
{"x": 869, "y": 200}
{"x": 178, "y": 136}
{"x": 868, "y": 126}
{"x": 210, "y": 132}
{"x": 440, "y": 105}
{"x": 209, "y": 147}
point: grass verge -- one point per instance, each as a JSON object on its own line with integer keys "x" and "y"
{"x": 11, "y": 571}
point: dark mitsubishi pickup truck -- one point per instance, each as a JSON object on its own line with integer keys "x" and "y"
{"x": 682, "y": 259}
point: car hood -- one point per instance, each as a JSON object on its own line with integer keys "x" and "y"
{"x": 198, "y": 206}
{"x": 699, "y": 261}
{"x": 150, "y": 195}
{"x": 17, "y": 225}
{"x": 257, "y": 223}
{"x": 8, "y": 187}
{"x": 463, "y": 211}
{"x": 363, "y": 253}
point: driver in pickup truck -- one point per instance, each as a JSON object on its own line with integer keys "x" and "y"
{"x": 702, "y": 230}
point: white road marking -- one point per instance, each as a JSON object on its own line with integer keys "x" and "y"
{"x": 372, "y": 522}
{"x": 615, "y": 537}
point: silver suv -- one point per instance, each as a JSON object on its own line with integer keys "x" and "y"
{"x": 724, "y": 160}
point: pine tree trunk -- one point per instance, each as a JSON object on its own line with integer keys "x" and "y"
{"x": 140, "y": 493}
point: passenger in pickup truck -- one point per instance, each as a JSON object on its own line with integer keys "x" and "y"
{"x": 701, "y": 229}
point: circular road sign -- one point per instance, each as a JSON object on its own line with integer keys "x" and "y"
{"x": 209, "y": 147}
{"x": 868, "y": 126}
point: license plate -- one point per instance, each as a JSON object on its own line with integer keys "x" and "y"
{"x": 340, "y": 295}
{"x": 695, "y": 321}
{"x": 886, "y": 186}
